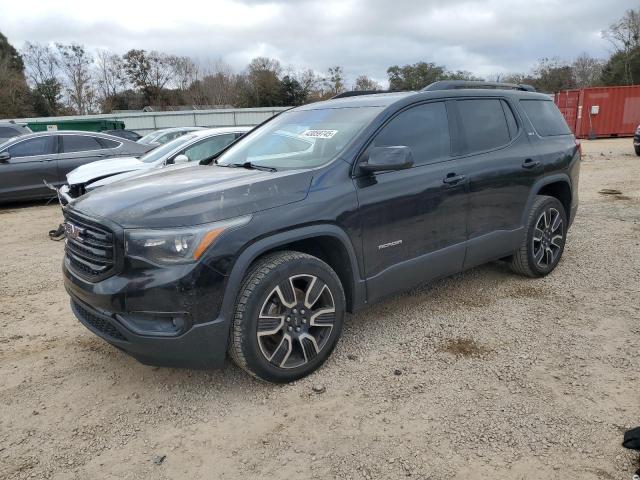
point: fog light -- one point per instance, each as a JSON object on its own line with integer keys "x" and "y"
{"x": 154, "y": 324}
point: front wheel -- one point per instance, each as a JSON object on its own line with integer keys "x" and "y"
{"x": 637, "y": 149}
{"x": 544, "y": 238}
{"x": 288, "y": 317}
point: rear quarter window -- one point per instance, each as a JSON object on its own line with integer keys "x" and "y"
{"x": 107, "y": 143}
{"x": 79, "y": 143}
{"x": 545, "y": 117}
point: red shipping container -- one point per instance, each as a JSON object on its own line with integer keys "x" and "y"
{"x": 601, "y": 111}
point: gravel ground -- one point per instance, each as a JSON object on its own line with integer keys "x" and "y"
{"x": 482, "y": 375}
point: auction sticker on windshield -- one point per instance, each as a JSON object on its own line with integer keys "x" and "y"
{"x": 319, "y": 133}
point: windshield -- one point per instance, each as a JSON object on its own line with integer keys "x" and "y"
{"x": 150, "y": 136}
{"x": 300, "y": 139}
{"x": 162, "y": 151}
{"x": 5, "y": 141}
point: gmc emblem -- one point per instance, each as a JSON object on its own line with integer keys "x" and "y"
{"x": 73, "y": 232}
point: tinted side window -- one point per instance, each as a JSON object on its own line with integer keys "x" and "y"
{"x": 423, "y": 128}
{"x": 33, "y": 146}
{"x": 79, "y": 143}
{"x": 484, "y": 125}
{"x": 106, "y": 143}
{"x": 545, "y": 117}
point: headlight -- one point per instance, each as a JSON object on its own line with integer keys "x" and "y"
{"x": 177, "y": 245}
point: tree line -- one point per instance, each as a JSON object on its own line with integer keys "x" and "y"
{"x": 63, "y": 79}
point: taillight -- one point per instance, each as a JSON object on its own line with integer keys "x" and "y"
{"x": 579, "y": 145}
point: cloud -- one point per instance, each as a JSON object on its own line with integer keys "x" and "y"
{"x": 363, "y": 36}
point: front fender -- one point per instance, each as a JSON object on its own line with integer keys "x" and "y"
{"x": 256, "y": 249}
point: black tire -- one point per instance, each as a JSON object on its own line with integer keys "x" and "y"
{"x": 265, "y": 301}
{"x": 541, "y": 248}
{"x": 637, "y": 149}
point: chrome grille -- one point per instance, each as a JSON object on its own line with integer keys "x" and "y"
{"x": 89, "y": 247}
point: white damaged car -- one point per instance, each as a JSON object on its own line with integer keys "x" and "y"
{"x": 188, "y": 149}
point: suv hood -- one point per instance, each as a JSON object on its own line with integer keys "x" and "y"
{"x": 135, "y": 173}
{"x": 104, "y": 168}
{"x": 191, "y": 196}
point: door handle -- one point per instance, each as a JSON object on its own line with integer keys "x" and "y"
{"x": 452, "y": 179}
{"x": 529, "y": 163}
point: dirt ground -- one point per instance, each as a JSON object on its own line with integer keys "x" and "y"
{"x": 483, "y": 375}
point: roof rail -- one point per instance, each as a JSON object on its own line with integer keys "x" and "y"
{"x": 357, "y": 93}
{"x": 457, "y": 84}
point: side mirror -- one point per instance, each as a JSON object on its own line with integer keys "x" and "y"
{"x": 387, "y": 158}
{"x": 4, "y": 157}
{"x": 182, "y": 158}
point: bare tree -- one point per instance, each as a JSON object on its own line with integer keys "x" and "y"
{"x": 311, "y": 84}
{"x": 161, "y": 71}
{"x": 109, "y": 73}
{"x": 334, "y": 82}
{"x": 587, "y": 70}
{"x": 217, "y": 86}
{"x": 184, "y": 71}
{"x": 42, "y": 69}
{"x": 365, "y": 83}
{"x": 40, "y": 61}
{"x": 75, "y": 65}
{"x": 624, "y": 34}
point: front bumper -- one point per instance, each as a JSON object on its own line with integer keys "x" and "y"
{"x": 157, "y": 322}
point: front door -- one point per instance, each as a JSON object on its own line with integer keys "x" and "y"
{"x": 31, "y": 162}
{"x": 413, "y": 220}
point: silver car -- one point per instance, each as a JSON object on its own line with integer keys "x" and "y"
{"x": 26, "y": 162}
{"x": 191, "y": 147}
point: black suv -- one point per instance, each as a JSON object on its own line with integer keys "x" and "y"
{"x": 322, "y": 210}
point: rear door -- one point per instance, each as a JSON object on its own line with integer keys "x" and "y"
{"x": 76, "y": 150}
{"x": 413, "y": 220}
{"x": 31, "y": 161}
{"x": 499, "y": 162}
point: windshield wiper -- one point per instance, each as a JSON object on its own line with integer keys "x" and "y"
{"x": 249, "y": 166}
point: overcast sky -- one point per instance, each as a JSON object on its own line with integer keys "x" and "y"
{"x": 364, "y": 36}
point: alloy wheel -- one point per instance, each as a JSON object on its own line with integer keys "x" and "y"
{"x": 295, "y": 321}
{"x": 548, "y": 238}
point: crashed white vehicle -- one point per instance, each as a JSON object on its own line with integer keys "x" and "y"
{"x": 188, "y": 149}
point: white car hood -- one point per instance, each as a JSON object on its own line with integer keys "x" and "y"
{"x": 136, "y": 173}
{"x": 104, "y": 168}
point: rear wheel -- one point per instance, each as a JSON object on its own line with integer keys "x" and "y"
{"x": 288, "y": 317}
{"x": 544, "y": 238}
{"x": 637, "y": 149}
